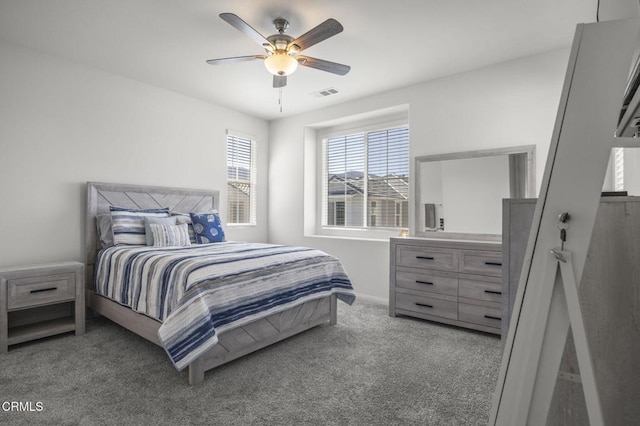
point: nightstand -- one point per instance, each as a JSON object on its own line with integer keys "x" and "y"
{"x": 40, "y": 300}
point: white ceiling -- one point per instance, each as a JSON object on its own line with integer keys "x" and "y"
{"x": 389, "y": 44}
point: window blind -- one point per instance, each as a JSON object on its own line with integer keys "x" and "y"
{"x": 366, "y": 179}
{"x": 241, "y": 180}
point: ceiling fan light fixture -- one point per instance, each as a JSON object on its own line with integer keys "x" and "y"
{"x": 281, "y": 64}
{"x": 282, "y": 50}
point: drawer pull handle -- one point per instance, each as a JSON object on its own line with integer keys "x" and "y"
{"x": 424, "y": 305}
{"x": 424, "y": 282}
{"x": 424, "y": 257}
{"x": 40, "y": 290}
{"x": 492, "y": 317}
{"x": 493, "y": 292}
{"x": 493, "y": 263}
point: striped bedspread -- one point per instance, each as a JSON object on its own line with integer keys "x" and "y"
{"x": 200, "y": 291}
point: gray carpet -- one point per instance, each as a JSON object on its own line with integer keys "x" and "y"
{"x": 369, "y": 369}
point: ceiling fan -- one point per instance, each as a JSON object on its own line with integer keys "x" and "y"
{"x": 282, "y": 51}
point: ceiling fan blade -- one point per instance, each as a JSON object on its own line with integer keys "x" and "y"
{"x": 238, "y": 23}
{"x": 327, "y": 29}
{"x": 279, "y": 81}
{"x": 321, "y": 64}
{"x": 234, "y": 59}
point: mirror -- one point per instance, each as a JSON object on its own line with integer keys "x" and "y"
{"x": 459, "y": 195}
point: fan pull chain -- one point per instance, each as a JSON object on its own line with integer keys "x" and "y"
{"x": 280, "y": 98}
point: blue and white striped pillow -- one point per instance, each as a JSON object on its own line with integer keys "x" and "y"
{"x": 159, "y": 220}
{"x": 128, "y": 224}
{"x": 170, "y": 235}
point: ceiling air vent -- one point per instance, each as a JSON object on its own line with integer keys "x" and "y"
{"x": 325, "y": 92}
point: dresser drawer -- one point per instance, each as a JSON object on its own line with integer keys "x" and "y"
{"x": 479, "y": 287}
{"x": 442, "y": 283}
{"x": 478, "y": 314}
{"x": 481, "y": 262}
{"x": 427, "y": 257}
{"x": 40, "y": 290}
{"x": 427, "y": 305}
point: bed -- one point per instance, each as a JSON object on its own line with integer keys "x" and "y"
{"x": 203, "y": 322}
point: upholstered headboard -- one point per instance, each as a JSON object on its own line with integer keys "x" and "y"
{"x": 101, "y": 195}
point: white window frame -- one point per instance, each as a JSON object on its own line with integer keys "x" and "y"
{"x": 252, "y": 179}
{"x": 364, "y": 232}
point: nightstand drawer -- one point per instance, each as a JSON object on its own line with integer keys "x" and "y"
{"x": 481, "y": 288}
{"x": 428, "y": 281}
{"x": 480, "y": 314}
{"x": 481, "y": 262}
{"x": 40, "y": 290}
{"x": 428, "y": 258}
{"x": 427, "y": 305}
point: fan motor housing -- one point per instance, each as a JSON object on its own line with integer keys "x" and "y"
{"x": 280, "y": 41}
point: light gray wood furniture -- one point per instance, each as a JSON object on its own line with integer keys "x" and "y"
{"x": 580, "y": 148}
{"x": 40, "y": 300}
{"x": 232, "y": 343}
{"x": 517, "y": 214}
{"x": 453, "y": 282}
{"x": 610, "y": 302}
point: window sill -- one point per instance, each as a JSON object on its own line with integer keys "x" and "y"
{"x": 379, "y": 235}
{"x": 340, "y": 237}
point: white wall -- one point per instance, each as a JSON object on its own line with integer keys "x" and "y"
{"x": 513, "y": 103}
{"x": 62, "y": 124}
{"x": 431, "y": 187}
{"x": 473, "y": 189}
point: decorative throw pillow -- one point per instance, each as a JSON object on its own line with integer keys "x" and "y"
{"x": 128, "y": 224}
{"x": 169, "y": 235}
{"x": 159, "y": 220}
{"x": 185, "y": 218}
{"x": 207, "y": 227}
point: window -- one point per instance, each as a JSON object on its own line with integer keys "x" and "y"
{"x": 241, "y": 180}
{"x": 402, "y": 215}
{"x": 336, "y": 213}
{"x": 618, "y": 169}
{"x": 614, "y": 177}
{"x": 366, "y": 179}
{"x": 373, "y": 212}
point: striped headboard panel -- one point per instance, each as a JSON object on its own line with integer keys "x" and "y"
{"x": 101, "y": 195}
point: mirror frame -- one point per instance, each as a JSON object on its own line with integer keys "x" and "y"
{"x": 530, "y": 185}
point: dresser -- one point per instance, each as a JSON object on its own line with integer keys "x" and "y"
{"x": 450, "y": 281}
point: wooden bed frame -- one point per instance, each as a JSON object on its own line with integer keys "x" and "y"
{"x": 232, "y": 343}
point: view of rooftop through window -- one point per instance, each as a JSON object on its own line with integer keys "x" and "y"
{"x": 367, "y": 179}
